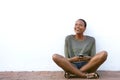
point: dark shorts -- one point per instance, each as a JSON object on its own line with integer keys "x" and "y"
{"x": 79, "y": 64}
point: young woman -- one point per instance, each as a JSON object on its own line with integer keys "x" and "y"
{"x": 80, "y": 53}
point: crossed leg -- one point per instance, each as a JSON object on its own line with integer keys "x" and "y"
{"x": 91, "y": 66}
{"x": 95, "y": 62}
{"x": 66, "y": 65}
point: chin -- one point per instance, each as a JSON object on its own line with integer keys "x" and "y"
{"x": 78, "y": 32}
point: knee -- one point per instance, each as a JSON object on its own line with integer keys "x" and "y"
{"x": 103, "y": 55}
{"x": 55, "y": 57}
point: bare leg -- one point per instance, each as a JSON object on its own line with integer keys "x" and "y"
{"x": 95, "y": 62}
{"x": 66, "y": 65}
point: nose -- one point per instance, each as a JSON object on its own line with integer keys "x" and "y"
{"x": 79, "y": 27}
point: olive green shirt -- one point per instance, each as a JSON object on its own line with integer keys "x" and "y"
{"x": 74, "y": 47}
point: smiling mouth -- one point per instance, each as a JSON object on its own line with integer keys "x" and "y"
{"x": 78, "y": 30}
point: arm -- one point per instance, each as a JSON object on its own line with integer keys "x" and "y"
{"x": 74, "y": 59}
{"x": 66, "y": 52}
{"x": 93, "y": 49}
{"x": 66, "y": 48}
{"x": 77, "y": 58}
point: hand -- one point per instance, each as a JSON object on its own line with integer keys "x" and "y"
{"x": 74, "y": 59}
{"x": 85, "y": 58}
{"x": 77, "y": 58}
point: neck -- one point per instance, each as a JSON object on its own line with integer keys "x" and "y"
{"x": 80, "y": 36}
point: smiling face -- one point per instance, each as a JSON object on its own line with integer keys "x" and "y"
{"x": 79, "y": 27}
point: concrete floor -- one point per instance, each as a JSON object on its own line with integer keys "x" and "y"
{"x": 53, "y": 75}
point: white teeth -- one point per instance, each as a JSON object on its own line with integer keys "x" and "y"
{"x": 77, "y": 29}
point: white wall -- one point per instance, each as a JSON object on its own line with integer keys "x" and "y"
{"x": 31, "y": 31}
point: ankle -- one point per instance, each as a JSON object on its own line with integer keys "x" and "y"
{"x": 84, "y": 75}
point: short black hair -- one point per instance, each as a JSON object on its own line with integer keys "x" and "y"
{"x": 85, "y": 24}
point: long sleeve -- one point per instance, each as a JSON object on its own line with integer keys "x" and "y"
{"x": 93, "y": 48}
{"x": 66, "y": 48}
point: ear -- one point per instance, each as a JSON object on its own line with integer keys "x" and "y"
{"x": 74, "y": 28}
